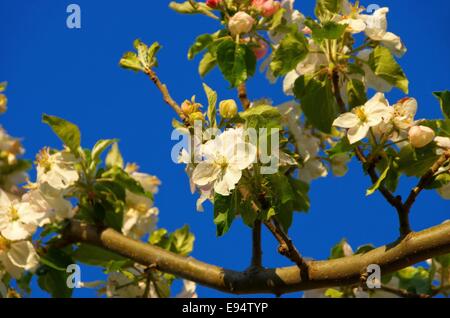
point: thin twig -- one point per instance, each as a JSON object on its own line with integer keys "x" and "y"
{"x": 426, "y": 180}
{"x": 165, "y": 93}
{"x": 403, "y": 293}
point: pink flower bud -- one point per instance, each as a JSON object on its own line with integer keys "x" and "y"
{"x": 213, "y": 3}
{"x": 267, "y": 8}
{"x": 261, "y": 50}
{"x": 420, "y": 136}
{"x": 240, "y": 23}
{"x": 306, "y": 30}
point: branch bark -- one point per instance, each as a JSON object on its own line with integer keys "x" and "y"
{"x": 415, "y": 248}
{"x": 243, "y": 96}
{"x": 256, "y": 246}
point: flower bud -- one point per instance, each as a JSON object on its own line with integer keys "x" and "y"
{"x": 420, "y": 136}
{"x": 240, "y": 23}
{"x": 213, "y": 3}
{"x": 267, "y": 8}
{"x": 3, "y": 103}
{"x": 261, "y": 50}
{"x": 196, "y": 116}
{"x": 189, "y": 107}
{"x": 228, "y": 108}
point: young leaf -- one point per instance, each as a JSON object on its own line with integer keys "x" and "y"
{"x": 100, "y": 147}
{"x": 183, "y": 241}
{"x": 356, "y": 93}
{"x": 201, "y": 43}
{"x": 66, "y": 131}
{"x": 207, "y": 63}
{"x": 187, "y": 8}
{"x": 444, "y": 99}
{"x": 224, "y": 213}
{"x": 114, "y": 157}
{"x": 131, "y": 61}
{"x": 292, "y": 50}
{"x": 377, "y": 184}
{"x": 212, "y": 102}
{"x": 384, "y": 65}
{"x": 236, "y": 61}
{"x": 326, "y": 9}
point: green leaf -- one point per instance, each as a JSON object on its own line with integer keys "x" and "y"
{"x": 100, "y": 147}
{"x": 200, "y": 44}
{"x": 444, "y": 260}
{"x": 66, "y": 131}
{"x": 126, "y": 181}
{"x": 334, "y": 293}
{"x": 95, "y": 256}
{"x": 212, "y": 103}
{"x": 326, "y": 9}
{"x": 277, "y": 19}
{"x": 356, "y": 93}
{"x": 114, "y": 157}
{"x": 183, "y": 241}
{"x": 224, "y": 213}
{"x": 187, "y": 8}
{"x": 377, "y": 184}
{"x": 54, "y": 282}
{"x": 207, "y": 63}
{"x": 56, "y": 259}
{"x": 236, "y": 61}
{"x": 317, "y": 102}
{"x": 415, "y": 280}
{"x": 157, "y": 236}
{"x": 329, "y": 30}
{"x": 444, "y": 100}
{"x": 337, "y": 251}
{"x": 384, "y": 65}
{"x": 265, "y": 111}
{"x": 131, "y": 61}
{"x": 416, "y": 162}
{"x": 364, "y": 249}
{"x": 292, "y": 50}
{"x": 342, "y": 147}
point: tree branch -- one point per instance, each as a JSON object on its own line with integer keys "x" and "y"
{"x": 243, "y": 97}
{"x": 426, "y": 180}
{"x": 165, "y": 93}
{"x": 256, "y": 246}
{"x": 415, "y": 248}
{"x": 403, "y": 293}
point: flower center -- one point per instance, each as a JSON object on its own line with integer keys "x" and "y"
{"x": 4, "y": 244}
{"x": 13, "y": 214}
{"x": 222, "y": 162}
{"x": 359, "y": 111}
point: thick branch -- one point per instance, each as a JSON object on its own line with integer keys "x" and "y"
{"x": 415, "y": 248}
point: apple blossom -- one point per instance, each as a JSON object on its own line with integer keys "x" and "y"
{"x": 267, "y": 8}
{"x": 225, "y": 158}
{"x": 420, "y": 136}
{"x": 361, "y": 119}
{"x": 17, "y": 257}
{"x": 188, "y": 290}
{"x": 228, "y": 108}
{"x": 241, "y": 23}
{"x": 56, "y": 170}
{"x": 442, "y": 142}
{"x": 18, "y": 220}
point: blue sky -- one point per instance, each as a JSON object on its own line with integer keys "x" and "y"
{"x": 75, "y": 74}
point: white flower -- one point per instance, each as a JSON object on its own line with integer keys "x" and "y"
{"x": 442, "y": 142}
{"x": 292, "y": 17}
{"x": 53, "y": 207}
{"x": 309, "y": 65}
{"x": 312, "y": 169}
{"x": 17, "y": 257}
{"x": 420, "y": 136}
{"x": 188, "y": 290}
{"x": 138, "y": 223}
{"x": 362, "y": 118}
{"x": 339, "y": 165}
{"x": 376, "y": 29}
{"x": 225, "y": 158}
{"x": 57, "y": 170}
{"x": 241, "y": 22}
{"x": 18, "y": 220}
{"x": 10, "y": 146}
